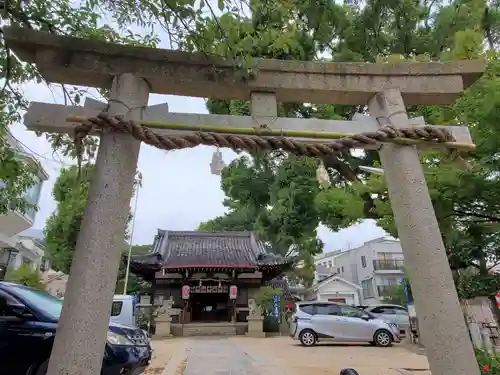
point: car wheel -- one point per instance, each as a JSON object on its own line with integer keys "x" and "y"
{"x": 42, "y": 370}
{"x": 308, "y": 338}
{"x": 383, "y": 338}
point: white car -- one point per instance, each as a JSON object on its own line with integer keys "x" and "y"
{"x": 314, "y": 321}
{"x": 394, "y": 313}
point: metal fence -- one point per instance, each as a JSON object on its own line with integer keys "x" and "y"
{"x": 397, "y": 264}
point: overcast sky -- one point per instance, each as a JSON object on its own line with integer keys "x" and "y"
{"x": 178, "y": 189}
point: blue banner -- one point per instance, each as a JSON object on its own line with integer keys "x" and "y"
{"x": 405, "y": 289}
{"x": 137, "y": 298}
{"x": 276, "y": 307}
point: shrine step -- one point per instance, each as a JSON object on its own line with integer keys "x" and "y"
{"x": 209, "y": 329}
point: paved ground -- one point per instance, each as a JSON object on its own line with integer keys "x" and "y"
{"x": 280, "y": 356}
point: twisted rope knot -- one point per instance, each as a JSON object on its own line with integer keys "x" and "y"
{"x": 105, "y": 122}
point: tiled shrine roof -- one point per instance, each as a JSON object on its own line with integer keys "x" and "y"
{"x": 175, "y": 251}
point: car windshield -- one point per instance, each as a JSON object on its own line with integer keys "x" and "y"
{"x": 42, "y": 300}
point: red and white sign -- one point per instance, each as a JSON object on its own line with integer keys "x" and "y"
{"x": 185, "y": 291}
{"x": 233, "y": 292}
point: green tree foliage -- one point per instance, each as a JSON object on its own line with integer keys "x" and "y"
{"x": 264, "y": 298}
{"x": 17, "y": 175}
{"x": 25, "y": 275}
{"x": 135, "y": 284}
{"x": 396, "y": 293}
{"x": 62, "y": 227}
{"x": 261, "y": 198}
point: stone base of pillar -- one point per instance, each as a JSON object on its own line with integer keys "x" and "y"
{"x": 163, "y": 329}
{"x": 255, "y": 326}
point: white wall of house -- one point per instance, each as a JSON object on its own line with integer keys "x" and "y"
{"x": 15, "y": 248}
{"x": 25, "y": 251}
{"x": 374, "y": 266}
{"x": 326, "y": 259}
{"x": 325, "y": 266}
{"x": 335, "y": 289}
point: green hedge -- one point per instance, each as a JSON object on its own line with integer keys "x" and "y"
{"x": 489, "y": 363}
{"x": 271, "y": 324}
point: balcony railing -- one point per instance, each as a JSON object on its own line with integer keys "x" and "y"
{"x": 389, "y": 265}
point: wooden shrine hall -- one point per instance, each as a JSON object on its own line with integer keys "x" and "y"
{"x": 208, "y": 277}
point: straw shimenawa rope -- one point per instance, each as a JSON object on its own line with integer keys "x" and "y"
{"x": 105, "y": 122}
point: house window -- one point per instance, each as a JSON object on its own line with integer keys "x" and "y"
{"x": 27, "y": 261}
{"x": 32, "y": 195}
{"x": 44, "y": 265}
{"x": 338, "y": 270}
{"x": 363, "y": 261}
{"x": 330, "y": 265}
{"x": 392, "y": 281}
{"x": 342, "y": 268}
{"x": 367, "y": 288}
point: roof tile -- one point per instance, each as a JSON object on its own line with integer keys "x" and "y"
{"x": 231, "y": 249}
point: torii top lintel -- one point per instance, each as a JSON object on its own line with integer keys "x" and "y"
{"x": 68, "y": 60}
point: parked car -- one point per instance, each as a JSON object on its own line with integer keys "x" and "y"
{"x": 28, "y": 322}
{"x": 123, "y": 310}
{"x": 317, "y": 321}
{"x": 393, "y": 313}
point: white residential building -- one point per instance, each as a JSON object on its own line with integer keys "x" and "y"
{"x": 375, "y": 266}
{"x": 15, "y": 248}
{"x": 334, "y": 289}
{"x": 325, "y": 266}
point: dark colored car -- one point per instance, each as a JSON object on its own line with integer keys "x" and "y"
{"x": 28, "y": 323}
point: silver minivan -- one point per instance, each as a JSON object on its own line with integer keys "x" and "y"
{"x": 317, "y": 321}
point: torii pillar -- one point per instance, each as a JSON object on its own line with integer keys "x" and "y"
{"x": 81, "y": 335}
{"x": 441, "y": 321}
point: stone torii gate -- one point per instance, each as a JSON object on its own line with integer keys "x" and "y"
{"x": 133, "y": 72}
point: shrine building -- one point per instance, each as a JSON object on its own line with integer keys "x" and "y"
{"x": 208, "y": 279}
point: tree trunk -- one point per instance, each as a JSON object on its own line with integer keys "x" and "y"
{"x": 487, "y": 29}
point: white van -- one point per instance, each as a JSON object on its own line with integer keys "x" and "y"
{"x": 123, "y": 310}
